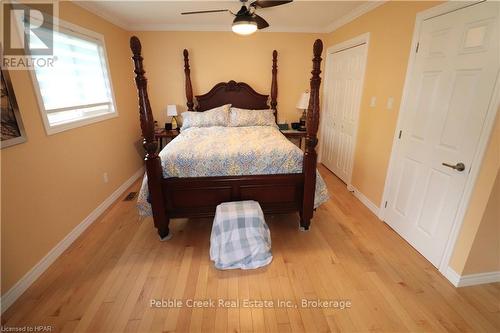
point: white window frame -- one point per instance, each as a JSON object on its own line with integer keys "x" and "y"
{"x": 93, "y": 37}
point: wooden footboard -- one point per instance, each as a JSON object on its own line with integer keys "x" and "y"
{"x": 196, "y": 197}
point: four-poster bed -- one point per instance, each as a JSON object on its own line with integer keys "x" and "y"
{"x": 177, "y": 197}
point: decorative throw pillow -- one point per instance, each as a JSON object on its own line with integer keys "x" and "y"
{"x": 218, "y": 116}
{"x": 243, "y": 117}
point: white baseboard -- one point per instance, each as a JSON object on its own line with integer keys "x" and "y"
{"x": 361, "y": 197}
{"x": 452, "y": 276}
{"x": 20, "y": 287}
{"x": 479, "y": 278}
{"x": 471, "y": 279}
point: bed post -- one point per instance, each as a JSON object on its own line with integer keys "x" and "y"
{"x": 153, "y": 163}
{"x": 274, "y": 85}
{"x": 189, "y": 88}
{"x": 310, "y": 156}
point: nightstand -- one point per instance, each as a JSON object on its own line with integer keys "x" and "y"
{"x": 167, "y": 134}
{"x": 294, "y": 134}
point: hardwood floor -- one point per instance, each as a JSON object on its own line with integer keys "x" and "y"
{"x": 106, "y": 280}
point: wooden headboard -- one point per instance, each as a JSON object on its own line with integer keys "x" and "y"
{"x": 238, "y": 94}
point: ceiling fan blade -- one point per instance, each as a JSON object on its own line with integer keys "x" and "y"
{"x": 268, "y": 3}
{"x": 261, "y": 23}
{"x": 206, "y": 11}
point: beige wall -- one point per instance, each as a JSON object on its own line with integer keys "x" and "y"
{"x": 51, "y": 183}
{"x": 391, "y": 28}
{"x": 485, "y": 252}
{"x": 224, "y": 56}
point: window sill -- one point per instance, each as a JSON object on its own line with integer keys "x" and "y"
{"x": 79, "y": 123}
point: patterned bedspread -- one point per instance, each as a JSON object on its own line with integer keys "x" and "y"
{"x": 230, "y": 151}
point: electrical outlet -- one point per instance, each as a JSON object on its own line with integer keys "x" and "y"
{"x": 390, "y": 103}
{"x": 373, "y": 102}
{"x": 105, "y": 178}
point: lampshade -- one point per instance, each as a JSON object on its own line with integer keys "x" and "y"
{"x": 172, "y": 110}
{"x": 303, "y": 102}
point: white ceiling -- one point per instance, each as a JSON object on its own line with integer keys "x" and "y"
{"x": 298, "y": 16}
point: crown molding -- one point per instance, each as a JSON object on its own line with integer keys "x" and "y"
{"x": 354, "y": 14}
{"x": 215, "y": 28}
{"x": 177, "y": 27}
{"x": 110, "y": 18}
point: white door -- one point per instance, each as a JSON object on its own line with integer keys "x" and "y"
{"x": 343, "y": 97}
{"x": 450, "y": 89}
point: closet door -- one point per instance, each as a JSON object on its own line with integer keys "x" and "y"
{"x": 343, "y": 97}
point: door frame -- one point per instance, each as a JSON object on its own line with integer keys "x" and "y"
{"x": 481, "y": 147}
{"x": 347, "y": 44}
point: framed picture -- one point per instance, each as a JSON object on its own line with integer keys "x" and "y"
{"x": 12, "y": 129}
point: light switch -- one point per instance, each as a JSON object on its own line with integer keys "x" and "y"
{"x": 390, "y": 103}
{"x": 373, "y": 102}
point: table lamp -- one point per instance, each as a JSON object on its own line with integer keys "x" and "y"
{"x": 303, "y": 104}
{"x": 172, "y": 112}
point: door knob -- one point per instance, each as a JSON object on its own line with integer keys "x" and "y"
{"x": 459, "y": 166}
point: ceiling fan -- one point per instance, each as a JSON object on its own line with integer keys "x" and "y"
{"x": 246, "y": 22}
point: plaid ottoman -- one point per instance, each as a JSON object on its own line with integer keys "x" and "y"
{"x": 240, "y": 237}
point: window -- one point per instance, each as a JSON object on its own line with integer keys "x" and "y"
{"x": 76, "y": 90}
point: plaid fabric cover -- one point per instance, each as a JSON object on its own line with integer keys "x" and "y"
{"x": 240, "y": 237}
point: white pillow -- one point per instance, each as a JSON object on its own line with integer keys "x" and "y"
{"x": 218, "y": 116}
{"x": 243, "y": 117}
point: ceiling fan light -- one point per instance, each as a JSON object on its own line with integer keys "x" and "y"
{"x": 244, "y": 26}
